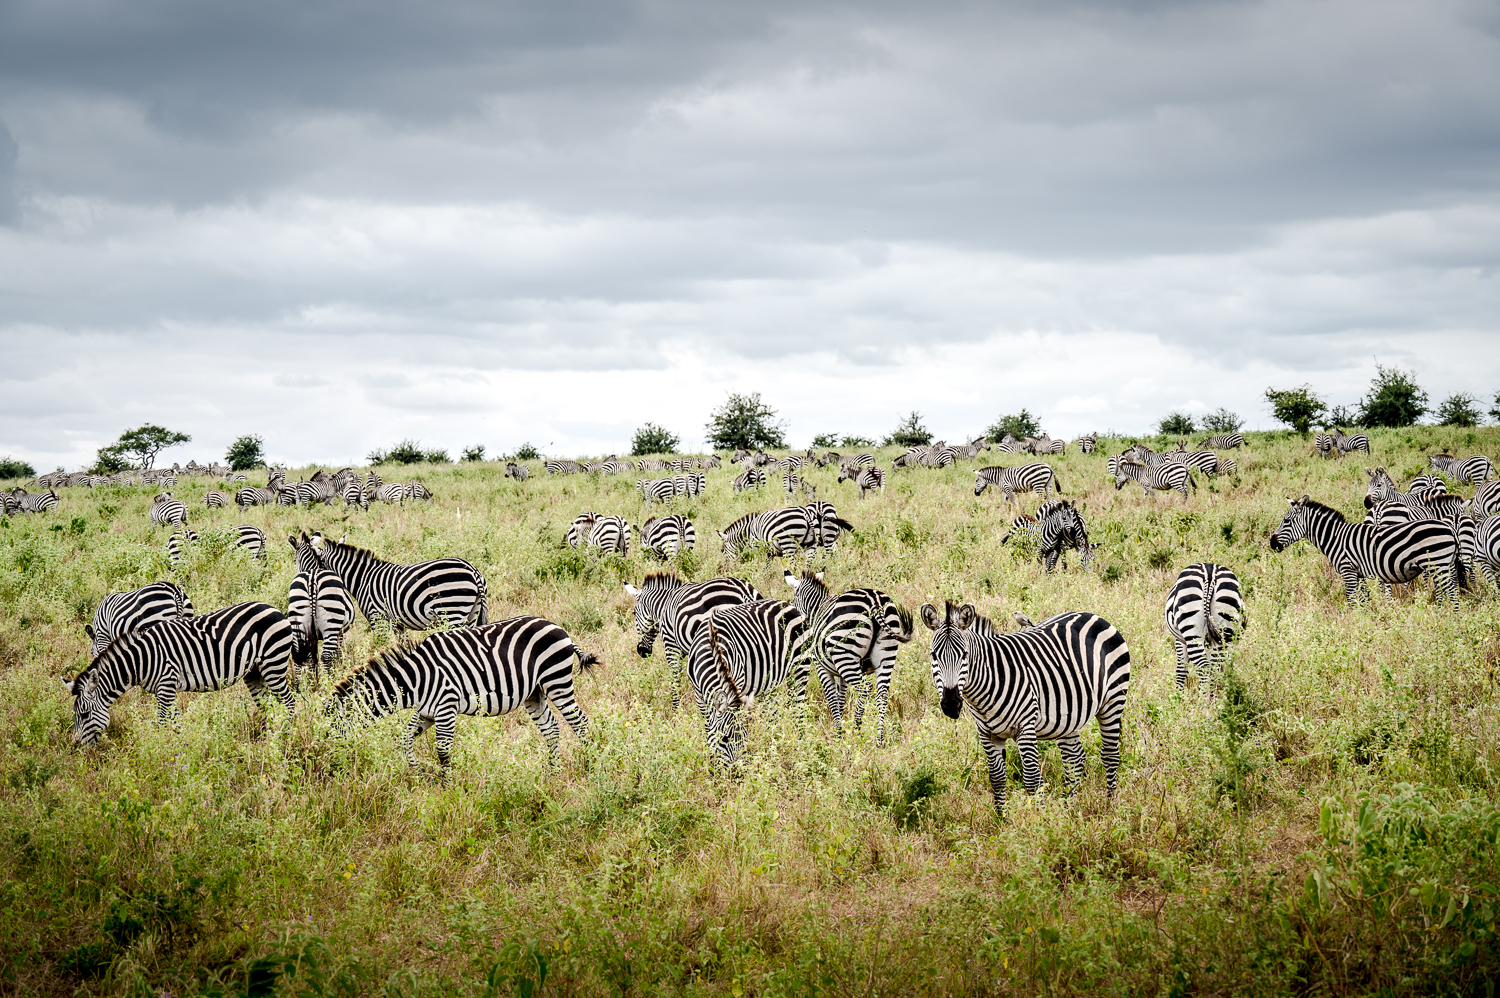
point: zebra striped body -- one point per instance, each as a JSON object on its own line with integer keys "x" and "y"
{"x": 1351, "y": 443}
{"x": 1035, "y": 477}
{"x": 790, "y": 462}
{"x": 791, "y": 484}
{"x": 389, "y": 492}
{"x": 407, "y": 596}
{"x": 37, "y": 502}
{"x": 854, "y": 639}
{"x": 252, "y": 496}
{"x": 1486, "y": 501}
{"x": 1205, "y": 461}
{"x": 785, "y": 531}
{"x": 416, "y": 492}
{"x": 355, "y": 495}
{"x": 1359, "y": 551}
{"x": 166, "y": 510}
{"x": 482, "y": 671}
{"x": 749, "y": 478}
{"x": 1469, "y": 471}
{"x": 519, "y": 472}
{"x": 318, "y": 607}
{"x": 248, "y": 641}
{"x": 1485, "y": 548}
{"x": 1224, "y": 441}
{"x": 245, "y": 535}
{"x": 214, "y": 499}
{"x": 1087, "y": 444}
{"x": 562, "y": 467}
{"x": 1204, "y": 612}
{"x": 1041, "y": 684}
{"x": 610, "y": 534}
{"x": 1162, "y": 478}
{"x": 741, "y": 652}
{"x": 1056, "y": 528}
{"x": 866, "y": 479}
{"x": 130, "y": 611}
{"x": 825, "y": 525}
{"x": 666, "y": 535}
{"x": 656, "y": 489}
{"x": 857, "y": 461}
{"x": 665, "y": 606}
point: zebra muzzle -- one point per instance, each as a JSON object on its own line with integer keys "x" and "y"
{"x": 952, "y": 702}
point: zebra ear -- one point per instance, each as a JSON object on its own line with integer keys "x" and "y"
{"x": 292, "y": 540}
{"x": 791, "y": 580}
{"x": 930, "y": 617}
{"x": 966, "y": 615}
{"x": 89, "y": 630}
{"x": 632, "y": 591}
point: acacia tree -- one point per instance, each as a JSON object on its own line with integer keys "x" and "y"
{"x": 1395, "y": 399}
{"x": 744, "y": 422}
{"x": 1020, "y": 424}
{"x": 140, "y": 446}
{"x": 1221, "y": 420}
{"x": 1296, "y": 407}
{"x": 1175, "y": 424}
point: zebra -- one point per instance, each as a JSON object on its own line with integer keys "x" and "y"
{"x": 656, "y": 489}
{"x": 214, "y": 499}
{"x": 1035, "y": 477}
{"x": 416, "y": 596}
{"x": 666, "y": 535}
{"x": 389, "y": 492}
{"x": 36, "y": 502}
{"x": 166, "y": 511}
{"x": 712, "y": 461}
{"x": 1426, "y": 483}
{"x": 854, "y": 638}
{"x": 1469, "y": 471}
{"x": 790, "y": 462}
{"x": 743, "y": 651}
{"x": 318, "y": 606}
{"x": 252, "y": 496}
{"x": 1056, "y": 527}
{"x": 519, "y": 472}
{"x": 1224, "y": 441}
{"x": 1043, "y": 683}
{"x": 1087, "y": 443}
{"x": 790, "y": 484}
{"x": 483, "y": 671}
{"x": 691, "y": 484}
{"x": 749, "y": 478}
{"x": 651, "y": 464}
{"x": 1325, "y": 445}
{"x": 416, "y": 492}
{"x": 665, "y": 605}
{"x": 562, "y": 467}
{"x": 610, "y": 534}
{"x": 1486, "y": 500}
{"x": 1163, "y": 477}
{"x": 973, "y": 448}
{"x": 355, "y": 494}
{"x": 865, "y": 479}
{"x": 130, "y": 611}
{"x": 1383, "y": 490}
{"x": 825, "y": 525}
{"x": 249, "y": 641}
{"x": 1205, "y": 461}
{"x": 1356, "y": 551}
{"x": 783, "y": 531}
{"x": 1204, "y": 613}
{"x": 245, "y": 535}
{"x": 1349, "y": 444}
{"x": 1485, "y": 548}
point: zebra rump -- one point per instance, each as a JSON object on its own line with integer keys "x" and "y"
{"x": 1204, "y": 613}
{"x": 745, "y": 651}
{"x": 132, "y": 610}
{"x": 666, "y": 535}
{"x": 407, "y": 596}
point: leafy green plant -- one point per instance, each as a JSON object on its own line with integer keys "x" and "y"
{"x": 408, "y": 452}
{"x": 653, "y": 439}
{"x": 1298, "y": 408}
{"x": 1394, "y": 399}
{"x": 1020, "y": 424}
{"x": 475, "y": 453}
{"x": 1459, "y": 409}
{"x": 744, "y": 421}
{"x": 12, "y": 468}
{"x": 909, "y": 432}
{"x": 246, "y": 452}
{"x": 1221, "y": 420}
{"x": 1175, "y": 424}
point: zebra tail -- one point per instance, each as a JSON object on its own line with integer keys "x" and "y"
{"x": 731, "y": 688}
{"x": 586, "y": 659}
{"x": 1058, "y": 482}
{"x": 907, "y": 626}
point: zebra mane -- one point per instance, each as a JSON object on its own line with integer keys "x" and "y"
{"x": 661, "y": 580}
{"x": 1314, "y": 504}
{"x": 983, "y": 626}
{"x": 743, "y": 523}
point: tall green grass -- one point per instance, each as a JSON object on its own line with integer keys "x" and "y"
{"x": 1326, "y": 822}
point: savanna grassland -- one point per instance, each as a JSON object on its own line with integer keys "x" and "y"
{"x": 1325, "y": 822}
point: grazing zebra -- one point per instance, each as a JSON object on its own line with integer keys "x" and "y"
{"x": 783, "y": 531}
{"x": 666, "y": 535}
{"x": 1425, "y": 504}
{"x": 318, "y": 607}
{"x": 854, "y": 638}
{"x": 245, "y": 535}
{"x": 1056, "y": 527}
{"x": 1486, "y": 500}
{"x": 1351, "y": 443}
{"x": 1041, "y": 684}
{"x": 1162, "y": 477}
{"x": 165, "y": 510}
{"x": 1224, "y": 441}
{"x": 1205, "y": 461}
{"x": 252, "y": 496}
{"x": 1087, "y": 444}
{"x": 665, "y": 605}
{"x": 744, "y": 651}
{"x": 1485, "y": 548}
{"x": 214, "y": 499}
{"x": 355, "y": 494}
{"x": 610, "y": 534}
{"x": 1356, "y": 551}
{"x": 791, "y": 484}
{"x": 826, "y": 525}
{"x": 483, "y": 671}
{"x": 749, "y": 478}
{"x": 1324, "y": 444}
{"x": 562, "y": 467}
{"x": 130, "y": 611}
{"x": 865, "y": 478}
{"x": 37, "y": 502}
{"x": 651, "y": 464}
{"x": 656, "y": 489}
{"x": 1469, "y": 471}
{"x": 1204, "y": 613}
{"x": 307, "y": 493}
{"x": 690, "y": 484}
{"x": 407, "y": 596}
{"x": 519, "y": 472}
{"x": 712, "y": 461}
{"x": 416, "y": 492}
{"x": 247, "y": 641}
{"x": 1035, "y": 477}
{"x": 389, "y": 492}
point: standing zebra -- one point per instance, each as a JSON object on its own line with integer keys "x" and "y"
{"x": 865, "y": 479}
{"x": 854, "y": 637}
{"x": 355, "y": 494}
{"x": 36, "y": 502}
{"x": 1056, "y": 527}
{"x": 130, "y": 611}
{"x": 252, "y": 496}
{"x": 749, "y": 478}
{"x": 1397, "y": 553}
{"x": 1035, "y": 477}
{"x": 562, "y": 467}
{"x": 1469, "y": 471}
{"x": 656, "y": 489}
{"x": 247, "y": 641}
{"x": 408, "y": 596}
{"x": 245, "y": 535}
{"x": 519, "y": 472}
{"x": 790, "y": 483}
{"x": 165, "y": 510}
{"x": 1486, "y": 548}
{"x": 665, "y": 606}
{"x": 416, "y": 492}
{"x": 1163, "y": 477}
{"x": 1224, "y": 441}
{"x": 1349, "y": 444}
{"x": 1041, "y": 684}
{"x": 1486, "y": 500}
{"x": 784, "y": 532}
{"x": 1204, "y": 613}
{"x": 610, "y": 534}
{"x": 744, "y": 651}
{"x": 318, "y": 607}
{"x": 488, "y": 670}
{"x": 1086, "y": 444}
{"x": 214, "y": 499}
{"x": 666, "y": 535}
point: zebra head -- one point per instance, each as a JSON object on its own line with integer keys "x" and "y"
{"x": 90, "y": 708}
{"x": 1293, "y": 526}
{"x": 980, "y": 484}
{"x": 950, "y": 652}
{"x": 649, "y": 597}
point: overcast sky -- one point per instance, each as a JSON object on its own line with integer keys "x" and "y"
{"x": 340, "y": 224}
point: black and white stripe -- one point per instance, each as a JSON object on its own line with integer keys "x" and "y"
{"x": 562, "y": 467}
{"x": 742, "y": 652}
{"x": 1474, "y": 470}
{"x": 165, "y": 510}
{"x": 666, "y": 606}
{"x": 1204, "y": 613}
{"x": 866, "y": 479}
{"x": 610, "y": 534}
{"x": 749, "y": 478}
{"x": 482, "y": 671}
{"x": 252, "y": 496}
{"x": 519, "y": 472}
{"x": 1357, "y": 551}
{"x": 1484, "y": 548}
{"x": 664, "y": 536}
{"x": 1224, "y": 441}
{"x": 1087, "y": 444}
{"x": 407, "y": 596}
{"x": 319, "y": 607}
{"x": 1056, "y": 528}
{"x": 214, "y": 499}
{"x": 1486, "y": 501}
{"x": 130, "y": 611}
{"x": 854, "y": 639}
{"x": 1035, "y": 477}
{"x": 1163, "y": 477}
{"x": 244, "y": 535}
{"x": 249, "y": 641}
{"x": 35, "y": 502}
{"x": 1044, "y": 683}
{"x": 656, "y": 489}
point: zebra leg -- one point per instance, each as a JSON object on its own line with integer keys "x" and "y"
{"x": 414, "y": 728}
{"x": 560, "y": 693}
{"x": 1110, "y": 729}
{"x": 834, "y": 691}
{"x": 1031, "y": 760}
{"x": 676, "y": 665}
{"x": 279, "y": 678}
{"x": 994, "y": 754}
{"x": 882, "y": 695}
{"x": 1352, "y": 594}
{"x": 446, "y": 724}
{"x": 1071, "y": 747}
{"x": 861, "y": 697}
{"x": 546, "y": 722}
{"x": 1182, "y": 663}
{"x": 166, "y": 705}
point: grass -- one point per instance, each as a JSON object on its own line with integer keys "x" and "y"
{"x": 1326, "y": 822}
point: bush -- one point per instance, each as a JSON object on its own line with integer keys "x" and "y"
{"x": 1495, "y": 412}
{"x": 825, "y": 441}
{"x": 1296, "y": 407}
{"x": 1461, "y": 409}
{"x": 245, "y": 453}
{"x": 475, "y": 453}
{"x": 408, "y": 452}
{"x": 910, "y": 432}
{"x": 1394, "y": 400}
{"x": 744, "y": 421}
{"x": 1341, "y": 416}
{"x": 852, "y": 440}
{"x": 526, "y": 452}
{"x": 109, "y": 461}
{"x": 653, "y": 439}
{"x": 1175, "y": 424}
{"x": 12, "y": 468}
{"x": 1018, "y": 425}
{"x": 1221, "y": 420}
